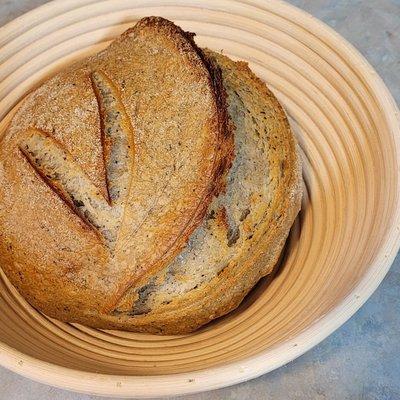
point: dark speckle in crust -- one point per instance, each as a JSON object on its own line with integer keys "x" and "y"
{"x": 244, "y": 214}
{"x": 282, "y": 168}
{"x": 233, "y": 235}
{"x": 78, "y": 203}
{"x": 211, "y": 215}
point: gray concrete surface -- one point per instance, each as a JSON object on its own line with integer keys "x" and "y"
{"x": 360, "y": 361}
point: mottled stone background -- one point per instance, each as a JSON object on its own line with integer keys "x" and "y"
{"x": 362, "y": 359}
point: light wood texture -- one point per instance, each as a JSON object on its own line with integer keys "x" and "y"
{"x": 340, "y": 248}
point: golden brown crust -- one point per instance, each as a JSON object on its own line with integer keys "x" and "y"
{"x": 184, "y": 146}
{"x": 59, "y": 245}
{"x": 187, "y": 312}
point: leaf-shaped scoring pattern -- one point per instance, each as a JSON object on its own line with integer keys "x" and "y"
{"x": 60, "y": 171}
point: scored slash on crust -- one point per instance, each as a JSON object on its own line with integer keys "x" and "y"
{"x": 62, "y": 174}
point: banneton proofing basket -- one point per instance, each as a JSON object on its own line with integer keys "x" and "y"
{"x": 340, "y": 248}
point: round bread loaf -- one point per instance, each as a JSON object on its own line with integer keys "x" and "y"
{"x": 118, "y": 206}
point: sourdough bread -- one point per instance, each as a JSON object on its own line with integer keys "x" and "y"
{"x": 108, "y": 167}
{"x": 118, "y": 206}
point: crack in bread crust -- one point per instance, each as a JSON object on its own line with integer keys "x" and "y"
{"x": 59, "y": 170}
{"x": 117, "y": 137}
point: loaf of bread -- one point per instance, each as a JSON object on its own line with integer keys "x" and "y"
{"x": 147, "y": 188}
